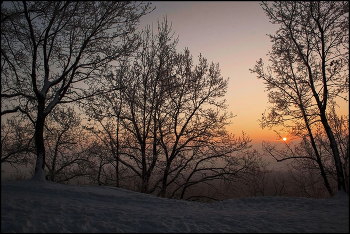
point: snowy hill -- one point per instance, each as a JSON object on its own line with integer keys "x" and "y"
{"x": 32, "y": 206}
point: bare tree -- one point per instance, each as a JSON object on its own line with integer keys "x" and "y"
{"x": 304, "y": 162}
{"x": 308, "y": 72}
{"x": 305, "y": 180}
{"x": 192, "y": 111}
{"x": 67, "y": 146}
{"x": 49, "y": 49}
{"x": 227, "y": 162}
{"x": 255, "y": 180}
{"x": 279, "y": 183}
{"x": 133, "y": 110}
{"x": 105, "y": 140}
{"x": 171, "y": 115}
{"x": 17, "y": 141}
{"x": 340, "y": 126}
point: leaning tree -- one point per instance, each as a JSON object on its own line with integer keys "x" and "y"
{"x": 309, "y": 71}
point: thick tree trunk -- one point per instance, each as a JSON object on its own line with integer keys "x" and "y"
{"x": 144, "y": 186}
{"x": 40, "y": 147}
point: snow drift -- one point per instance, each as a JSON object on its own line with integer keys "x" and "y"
{"x": 35, "y": 206}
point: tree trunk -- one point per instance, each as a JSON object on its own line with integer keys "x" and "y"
{"x": 99, "y": 173}
{"x": 318, "y": 157}
{"x": 335, "y": 151}
{"x": 117, "y": 171}
{"x": 319, "y": 162}
{"x": 117, "y": 154}
{"x": 39, "y": 143}
{"x": 165, "y": 179}
{"x": 144, "y": 185}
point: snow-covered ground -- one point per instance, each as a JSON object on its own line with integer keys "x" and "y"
{"x": 33, "y": 206}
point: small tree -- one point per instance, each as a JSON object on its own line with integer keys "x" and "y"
{"x": 49, "y": 49}
{"x": 67, "y": 146}
{"x": 309, "y": 71}
{"x": 17, "y": 141}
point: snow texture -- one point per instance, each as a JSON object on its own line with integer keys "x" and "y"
{"x": 36, "y": 206}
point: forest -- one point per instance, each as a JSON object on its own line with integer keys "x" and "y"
{"x": 89, "y": 98}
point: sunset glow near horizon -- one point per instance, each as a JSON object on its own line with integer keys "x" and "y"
{"x": 232, "y": 34}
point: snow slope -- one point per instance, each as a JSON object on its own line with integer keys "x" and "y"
{"x": 34, "y": 206}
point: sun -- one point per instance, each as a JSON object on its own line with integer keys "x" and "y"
{"x": 284, "y": 138}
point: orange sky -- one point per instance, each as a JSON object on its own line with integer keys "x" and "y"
{"x": 232, "y": 34}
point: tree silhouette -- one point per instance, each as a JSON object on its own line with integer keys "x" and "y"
{"x": 50, "y": 50}
{"x": 17, "y": 143}
{"x": 67, "y": 146}
{"x": 309, "y": 70}
{"x": 166, "y": 125}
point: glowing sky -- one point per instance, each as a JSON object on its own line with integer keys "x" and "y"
{"x": 232, "y": 34}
